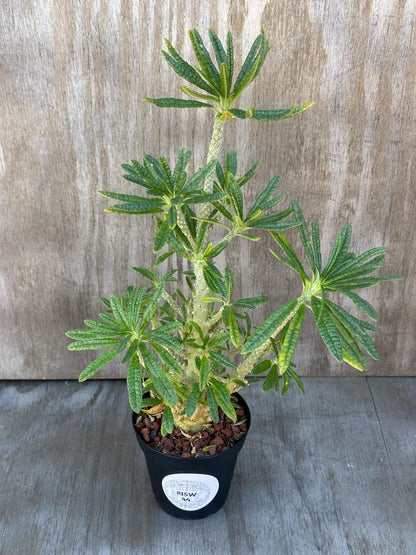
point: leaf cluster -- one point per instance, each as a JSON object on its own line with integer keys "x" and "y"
{"x": 217, "y": 84}
{"x": 345, "y": 335}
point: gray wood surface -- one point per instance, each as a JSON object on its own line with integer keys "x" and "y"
{"x": 72, "y": 74}
{"x": 333, "y": 472}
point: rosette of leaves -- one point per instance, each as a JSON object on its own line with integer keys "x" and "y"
{"x": 345, "y": 335}
{"x": 217, "y": 87}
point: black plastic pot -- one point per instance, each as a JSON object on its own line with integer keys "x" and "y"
{"x": 192, "y": 488}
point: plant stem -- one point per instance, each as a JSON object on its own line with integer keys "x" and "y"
{"x": 213, "y": 151}
{"x": 255, "y": 356}
{"x": 201, "y": 311}
{"x": 171, "y": 302}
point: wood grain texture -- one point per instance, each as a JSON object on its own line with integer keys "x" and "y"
{"x": 72, "y": 76}
{"x": 329, "y": 473}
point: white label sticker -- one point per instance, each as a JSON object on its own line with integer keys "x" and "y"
{"x": 190, "y": 492}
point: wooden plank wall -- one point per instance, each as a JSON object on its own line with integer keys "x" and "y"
{"x": 73, "y": 74}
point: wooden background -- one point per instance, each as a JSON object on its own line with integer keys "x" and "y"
{"x": 72, "y": 75}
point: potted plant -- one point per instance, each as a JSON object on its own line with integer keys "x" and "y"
{"x": 189, "y": 353}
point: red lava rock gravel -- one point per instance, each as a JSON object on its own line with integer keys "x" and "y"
{"x": 215, "y": 438}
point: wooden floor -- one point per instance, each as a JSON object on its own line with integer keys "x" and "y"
{"x": 338, "y": 474}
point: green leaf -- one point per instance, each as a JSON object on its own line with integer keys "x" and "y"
{"x": 155, "y": 173}
{"x": 142, "y": 203}
{"x": 165, "y": 389}
{"x": 149, "y": 207}
{"x": 152, "y": 305}
{"x": 248, "y": 175}
{"x": 351, "y": 351}
{"x": 235, "y": 334}
{"x": 128, "y": 302}
{"x": 118, "y": 311}
{"x": 97, "y": 364}
{"x": 214, "y": 280}
{"x": 231, "y": 162}
{"x": 241, "y": 114}
{"x": 273, "y": 342}
{"x": 221, "y": 359}
{"x": 225, "y": 80}
{"x": 354, "y": 263}
{"x": 134, "y": 316}
{"x": 199, "y": 331}
{"x": 177, "y": 103}
{"x": 270, "y": 326}
{"x": 230, "y": 56}
{"x": 218, "y": 339}
{"x": 151, "y": 364}
{"x": 212, "y": 404}
{"x": 286, "y": 383}
{"x": 110, "y": 320}
{"x": 134, "y": 384}
{"x": 296, "y": 379}
{"x": 291, "y": 259}
{"x": 89, "y": 334}
{"x": 106, "y": 302}
{"x": 327, "y": 328}
{"x": 167, "y": 421}
{"x": 105, "y": 329}
{"x": 221, "y": 208}
{"x": 194, "y": 182}
{"x": 275, "y": 115}
{"x": 146, "y": 273}
{"x": 265, "y": 195}
{"x": 304, "y": 234}
{"x": 236, "y": 195}
{"x": 161, "y": 338}
{"x": 229, "y": 282}
{"x": 364, "y": 305}
{"x": 271, "y": 380}
{"x": 93, "y": 343}
{"x": 291, "y": 339}
{"x": 208, "y": 69}
{"x": 190, "y": 219}
{"x": 192, "y": 401}
{"x": 272, "y": 223}
{"x": 185, "y": 70}
{"x": 354, "y": 326}
{"x": 161, "y": 236}
{"x": 168, "y": 358}
{"x": 250, "y": 302}
{"x": 219, "y": 51}
{"x": 215, "y": 251}
{"x": 205, "y": 198}
{"x": 181, "y": 240}
{"x": 223, "y": 398}
{"x": 203, "y": 373}
{"x": 183, "y": 159}
{"x": 165, "y": 169}
{"x": 191, "y": 92}
{"x": 130, "y": 351}
{"x": 316, "y": 242}
{"x": 340, "y": 249}
{"x": 133, "y": 204}
{"x": 170, "y": 327}
{"x": 362, "y": 283}
{"x": 356, "y": 271}
{"x": 261, "y": 367}
{"x": 249, "y": 67}
{"x": 150, "y": 401}
{"x": 172, "y": 217}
